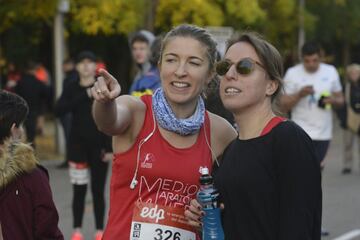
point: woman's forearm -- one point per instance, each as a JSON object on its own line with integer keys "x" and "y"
{"x": 105, "y": 116}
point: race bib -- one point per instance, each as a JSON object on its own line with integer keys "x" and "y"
{"x": 156, "y": 222}
{"x": 79, "y": 173}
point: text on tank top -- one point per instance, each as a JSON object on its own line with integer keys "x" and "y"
{"x": 166, "y": 175}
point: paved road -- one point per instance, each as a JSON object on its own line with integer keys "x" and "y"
{"x": 341, "y": 213}
{"x": 62, "y": 192}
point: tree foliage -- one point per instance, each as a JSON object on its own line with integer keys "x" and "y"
{"x": 281, "y": 23}
{"x": 338, "y": 19}
{"x": 335, "y": 21}
{"x": 337, "y": 25}
{"x": 14, "y": 11}
{"x": 107, "y": 16}
{"x": 245, "y": 11}
{"x": 199, "y": 12}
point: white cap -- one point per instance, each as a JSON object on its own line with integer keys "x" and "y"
{"x": 204, "y": 171}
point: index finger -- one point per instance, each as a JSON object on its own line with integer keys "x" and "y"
{"x": 106, "y": 75}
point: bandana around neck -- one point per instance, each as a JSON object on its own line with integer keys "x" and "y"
{"x": 167, "y": 119}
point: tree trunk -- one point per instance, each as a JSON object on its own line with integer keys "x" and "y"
{"x": 150, "y": 15}
{"x": 346, "y": 57}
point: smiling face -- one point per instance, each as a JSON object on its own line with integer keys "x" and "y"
{"x": 239, "y": 92}
{"x": 184, "y": 70}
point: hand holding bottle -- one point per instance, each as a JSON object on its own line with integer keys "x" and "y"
{"x": 206, "y": 209}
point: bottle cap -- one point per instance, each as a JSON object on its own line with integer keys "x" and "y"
{"x": 204, "y": 171}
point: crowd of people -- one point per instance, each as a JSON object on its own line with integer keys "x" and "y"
{"x": 257, "y": 129}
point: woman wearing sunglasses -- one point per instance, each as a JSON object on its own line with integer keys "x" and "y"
{"x": 269, "y": 178}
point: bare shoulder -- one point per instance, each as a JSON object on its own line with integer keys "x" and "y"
{"x": 222, "y": 133}
{"x": 220, "y": 126}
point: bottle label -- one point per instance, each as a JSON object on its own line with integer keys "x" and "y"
{"x": 154, "y": 221}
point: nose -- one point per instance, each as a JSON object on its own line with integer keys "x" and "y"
{"x": 231, "y": 74}
{"x": 180, "y": 70}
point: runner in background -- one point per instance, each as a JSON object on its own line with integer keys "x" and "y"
{"x": 312, "y": 89}
{"x": 89, "y": 150}
{"x": 36, "y": 94}
{"x": 350, "y": 119}
{"x": 140, "y": 45}
{"x": 149, "y": 81}
{"x": 71, "y": 75}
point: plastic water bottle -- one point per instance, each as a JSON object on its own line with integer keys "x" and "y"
{"x": 208, "y": 197}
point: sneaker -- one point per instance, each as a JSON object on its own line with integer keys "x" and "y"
{"x": 324, "y": 232}
{"x": 98, "y": 235}
{"x": 77, "y": 236}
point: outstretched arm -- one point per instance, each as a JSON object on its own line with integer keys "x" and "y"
{"x": 112, "y": 114}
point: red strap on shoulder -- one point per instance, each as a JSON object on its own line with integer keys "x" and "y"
{"x": 271, "y": 124}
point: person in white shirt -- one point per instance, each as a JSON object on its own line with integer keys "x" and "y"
{"x": 312, "y": 88}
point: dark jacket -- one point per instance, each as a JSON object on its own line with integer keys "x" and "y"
{"x": 75, "y": 100}
{"x": 27, "y": 210}
{"x": 146, "y": 84}
{"x": 35, "y": 93}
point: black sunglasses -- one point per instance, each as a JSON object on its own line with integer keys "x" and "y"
{"x": 244, "y": 66}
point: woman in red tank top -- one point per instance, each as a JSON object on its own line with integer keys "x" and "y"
{"x": 161, "y": 141}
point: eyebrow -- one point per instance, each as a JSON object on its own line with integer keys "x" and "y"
{"x": 191, "y": 57}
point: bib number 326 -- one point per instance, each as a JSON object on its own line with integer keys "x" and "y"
{"x": 166, "y": 235}
{"x": 157, "y": 222}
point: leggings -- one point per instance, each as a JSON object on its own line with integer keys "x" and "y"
{"x": 98, "y": 171}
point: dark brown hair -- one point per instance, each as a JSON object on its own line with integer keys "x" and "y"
{"x": 269, "y": 56}
{"x": 13, "y": 109}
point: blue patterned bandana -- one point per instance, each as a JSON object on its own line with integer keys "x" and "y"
{"x": 167, "y": 119}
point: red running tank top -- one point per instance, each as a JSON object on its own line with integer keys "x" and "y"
{"x": 166, "y": 175}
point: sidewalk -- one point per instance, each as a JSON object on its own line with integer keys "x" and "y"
{"x": 61, "y": 187}
{"x": 45, "y": 143}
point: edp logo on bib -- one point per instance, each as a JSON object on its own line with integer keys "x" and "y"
{"x": 153, "y": 213}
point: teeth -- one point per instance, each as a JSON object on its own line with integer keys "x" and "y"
{"x": 232, "y": 90}
{"x": 180, "y": 84}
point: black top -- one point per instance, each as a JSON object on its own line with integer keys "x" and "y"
{"x": 271, "y": 187}
{"x": 75, "y": 99}
{"x": 70, "y": 76}
{"x": 35, "y": 93}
